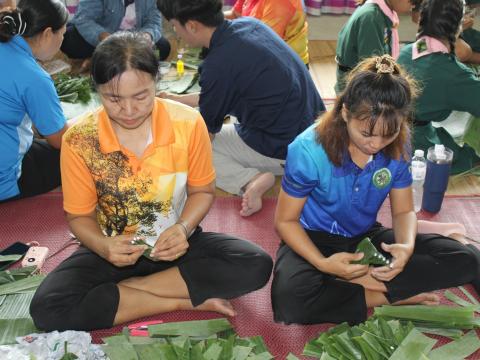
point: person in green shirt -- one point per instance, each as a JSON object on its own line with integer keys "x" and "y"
{"x": 371, "y": 30}
{"x": 446, "y": 83}
{"x": 469, "y": 42}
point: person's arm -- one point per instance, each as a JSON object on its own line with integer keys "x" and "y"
{"x": 404, "y": 224}
{"x": 152, "y": 21}
{"x": 85, "y": 20}
{"x": 290, "y": 230}
{"x": 117, "y": 250}
{"x": 55, "y": 139}
{"x": 187, "y": 99}
{"x": 277, "y": 15}
{"x": 462, "y": 92}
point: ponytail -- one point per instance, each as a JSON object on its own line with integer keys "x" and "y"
{"x": 11, "y": 24}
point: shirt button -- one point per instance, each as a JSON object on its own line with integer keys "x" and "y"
{"x": 356, "y": 189}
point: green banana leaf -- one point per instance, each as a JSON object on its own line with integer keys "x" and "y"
{"x": 413, "y": 346}
{"x": 450, "y": 333}
{"x": 7, "y": 276}
{"x": 469, "y": 296}
{"x": 11, "y": 258}
{"x": 11, "y": 328}
{"x": 16, "y": 306}
{"x": 371, "y": 256}
{"x": 459, "y": 301}
{"x": 458, "y": 349}
{"x": 197, "y": 328}
{"x": 124, "y": 351}
{"x": 22, "y": 285}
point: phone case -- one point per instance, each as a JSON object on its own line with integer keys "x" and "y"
{"x": 36, "y": 256}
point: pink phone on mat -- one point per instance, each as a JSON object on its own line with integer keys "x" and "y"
{"x": 36, "y": 256}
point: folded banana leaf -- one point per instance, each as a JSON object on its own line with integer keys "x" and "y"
{"x": 183, "y": 84}
{"x": 458, "y": 349}
{"x": 413, "y": 346}
{"x": 11, "y": 328}
{"x": 371, "y": 256}
{"x": 197, "y": 328}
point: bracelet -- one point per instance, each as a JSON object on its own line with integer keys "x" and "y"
{"x": 183, "y": 225}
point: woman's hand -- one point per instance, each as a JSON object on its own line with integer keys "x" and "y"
{"x": 400, "y": 255}
{"x": 119, "y": 250}
{"x": 339, "y": 264}
{"x": 171, "y": 244}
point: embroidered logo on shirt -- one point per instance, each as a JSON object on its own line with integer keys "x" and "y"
{"x": 421, "y": 46}
{"x": 381, "y": 178}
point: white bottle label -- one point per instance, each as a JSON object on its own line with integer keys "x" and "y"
{"x": 419, "y": 170}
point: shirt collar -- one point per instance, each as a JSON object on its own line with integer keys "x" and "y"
{"x": 427, "y": 45}
{"x": 348, "y": 167}
{"x": 20, "y": 42}
{"x": 218, "y": 34}
{"x": 162, "y": 129}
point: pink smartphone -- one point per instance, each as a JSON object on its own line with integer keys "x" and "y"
{"x": 36, "y": 256}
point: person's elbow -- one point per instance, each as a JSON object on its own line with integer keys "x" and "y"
{"x": 55, "y": 139}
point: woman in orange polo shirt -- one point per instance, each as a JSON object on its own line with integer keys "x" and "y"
{"x": 286, "y": 17}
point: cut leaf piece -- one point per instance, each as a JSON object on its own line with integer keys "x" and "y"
{"x": 371, "y": 256}
{"x": 458, "y": 349}
{"x": 198, "y": 328}
{"x": 413, "y": 346}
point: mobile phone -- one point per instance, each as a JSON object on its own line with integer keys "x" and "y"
{"x": 36, "y": 256}
{"x": 17, "y": 248}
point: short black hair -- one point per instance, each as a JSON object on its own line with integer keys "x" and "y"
{"x": 441, "y": 19}
{"x": 31, "y": 17}
{"x": 206, "y": 12}
{"x": 122, "y": 51}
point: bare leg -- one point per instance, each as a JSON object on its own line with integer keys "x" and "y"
{"x": 254, "y": 190}
{"x": 445, "y": 229}
{"x": 375, "y": 298}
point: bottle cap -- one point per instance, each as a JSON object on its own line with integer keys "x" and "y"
{"x": 179, "y": 56}
{"x": 419, "y": 153}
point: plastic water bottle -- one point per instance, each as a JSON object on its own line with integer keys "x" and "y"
{"x": 419, "y": 169}
{"x": 180, "y": 66}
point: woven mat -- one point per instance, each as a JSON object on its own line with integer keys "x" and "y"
{"x": 42, "y": 219}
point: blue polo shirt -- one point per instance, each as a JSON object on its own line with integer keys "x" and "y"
{"x": 341, "y": 200}
{"x": 27, "y": 95}
{"x": 251, "y": 73}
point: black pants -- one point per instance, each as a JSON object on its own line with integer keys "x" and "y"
{"x": 40, "y": 170}
{"x": 76, "y": 47}
{"x": 304, "y": 295}
{"x": 82, "y": 293}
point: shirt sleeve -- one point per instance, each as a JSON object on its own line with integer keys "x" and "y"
{"x": 152, "y": 22}
{"x": 370, "y": 36}
{"x": 88, "y": 12}
{"x": 277, "y": 14}
{"x": 200, "y": 164}
{"x": 301, "y": 171}
{"x": 238, "y": 6}
{"x": 79, "y": 193}
{"x": 43, "y": 106}
{"x": 403, "y": 175}
{"x": 216, "y": 95}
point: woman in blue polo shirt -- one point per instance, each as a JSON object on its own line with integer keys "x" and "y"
{"x": 331, "y": 193}
{"x": 29, "y": 166}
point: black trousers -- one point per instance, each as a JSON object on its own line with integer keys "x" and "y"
{"x": 40, "y": 170}
{"x": 82, "y": 293}
{"x": 302, "y": 294}
{"x": 76, "y": 47}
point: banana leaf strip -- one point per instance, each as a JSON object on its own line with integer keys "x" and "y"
{"x": 458, "y": 349}
{"x": 201, "y": 328}
{"x": 290, "y": 356}
{"x": 16, "y": 306}
{"x": 12, "y": 258}
{"x": 413, "y": 346}
{"x": 26, "y": 284}
{"x": 469, "y": 295}
{"x": 450, "y": 333}
{"x": 11, "y": 328}
{"x": 181, "y": 85}
{"x": 7, "y": 276}
{"x": 458, "y": 300}
{"x": 124, "y": 351}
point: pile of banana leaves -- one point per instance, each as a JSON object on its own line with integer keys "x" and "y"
{"x": 189, "y": 340}
{"x": 17, "y": 287}
{"x": 73, "y": 89}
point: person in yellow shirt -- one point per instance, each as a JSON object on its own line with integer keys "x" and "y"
{"x": 140, "y": 168}
{"x": 286, "y": 17}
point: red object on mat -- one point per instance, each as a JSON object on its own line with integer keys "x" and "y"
{"x": 42, "y": 219}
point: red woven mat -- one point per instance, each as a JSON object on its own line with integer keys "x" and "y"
{"x": 42, "y": 219}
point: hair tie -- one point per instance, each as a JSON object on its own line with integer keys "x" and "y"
{"x": 23, "y": 25}
{"x": 385, "y": 64}
{"x": 9, "y": 20}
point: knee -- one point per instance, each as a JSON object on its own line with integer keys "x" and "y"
{"x": 44, "y": 313}
{"x": 260, "y": 268}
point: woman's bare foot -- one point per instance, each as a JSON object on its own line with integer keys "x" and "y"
{"x": 221, "y": 306}
{"x": 420, "y": 299}
{"x": 252, "y": 197}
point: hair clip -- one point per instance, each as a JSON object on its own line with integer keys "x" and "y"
{"x": 385, "y": 64}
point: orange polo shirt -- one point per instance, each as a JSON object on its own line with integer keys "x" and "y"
{"x": 135, "y": 195}
{"x": 286, "y": 17}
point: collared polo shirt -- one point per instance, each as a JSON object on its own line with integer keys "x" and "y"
{"x": 254, "y": 75}
{"x": 27, "y": 95}
{"x": 341, "y": 200}
{"x": 136, "y": 195}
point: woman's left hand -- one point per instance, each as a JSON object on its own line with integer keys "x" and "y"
{"x": 171, "y": 244}
{"x": 400, "y": 255}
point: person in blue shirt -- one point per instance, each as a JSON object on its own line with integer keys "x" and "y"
{"x": 28, "y": 165}
{"x": 95, "y": 20}
{"x": 337, "y": 175}
{"x": 252, "y": 74}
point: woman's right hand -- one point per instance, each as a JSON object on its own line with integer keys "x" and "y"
{"x": 339, "y": 264}
{"x": 120, "y": 251}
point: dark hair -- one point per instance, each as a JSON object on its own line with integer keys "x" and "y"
{"x": 207, "y": 12}
{"x": 122, "y": 51}
{"x": 31, "y": 17}
{"x": 377, "y": 90}
{"x": 441, "y": 19}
